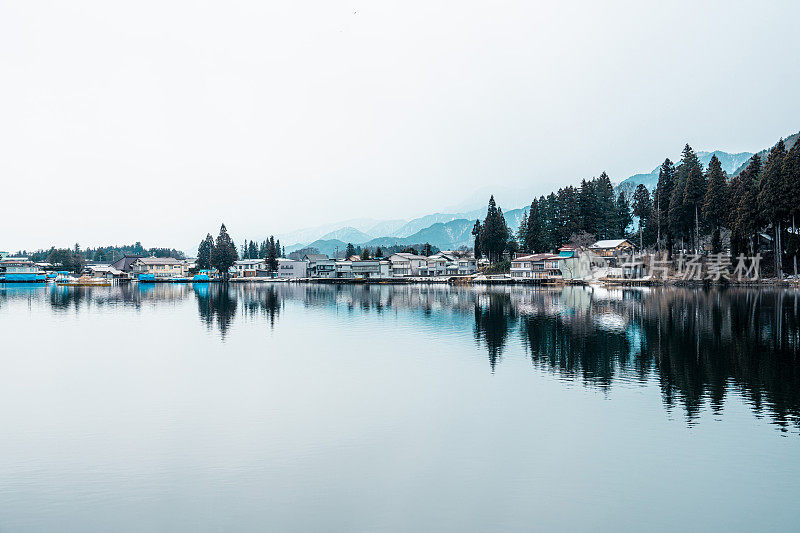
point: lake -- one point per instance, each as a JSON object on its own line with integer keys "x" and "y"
{"x": 308, "y": 407}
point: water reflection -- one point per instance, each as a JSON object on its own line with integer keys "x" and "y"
{"x": 699, "y": 346}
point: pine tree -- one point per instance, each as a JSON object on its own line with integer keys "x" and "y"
{"x": 694, "y": 190}
{"x": 606, "y": 208}
{"x": 748, "y": 217}
{"x": 224, "y": 254}
{"x": 666, "y": 177}
{"x": 550, "y": 218}
{"x": 534, "y": 236}
{"x": 204, "y": 253}
{"x": 642, "y": 209}
{"x": 477, "y": 244}
{"x": 771, "y": 197}
{"x": 791, "y": 176}
{"x": 378, "y": 252}
{"x": 350, "y": 250}
{"x": 365, "y": 254}
{"x": 677, "y": 219}
{"x": 494, "y": 232}
{"x": 715, "y": 201}
{"x": 522, "y": 232}
{"x": 587, "y": 201}
{"x": 623, "y": 215}
{"x": 278, "y": 248}
{"x": 272, "y": 255}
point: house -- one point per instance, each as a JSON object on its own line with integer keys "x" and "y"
{"x": 435, "y": 266}
{"x": 319, "y": 266}
{"x": 322, "y": 268}
{"x": 370, "y": 268}
{"x": 405, "y": 264}
{"x": 247, "y": 268}
{"x": 125, "y": 264}
{"x": 467, "y": 266}
{"x": 105, "y": 271}
{"x": 344, "y": 269}
{"x": 288, "y": 268}
{"x": 612, "y": 247}
{"x": 537, "y": 266}
{"x": 20, "y": 269}
{"x": 160, "y": 267}
{"x": 530, "y": 266}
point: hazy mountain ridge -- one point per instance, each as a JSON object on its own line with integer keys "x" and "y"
{"x": 788, "y": 141}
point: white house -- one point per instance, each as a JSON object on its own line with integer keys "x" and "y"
{"x": 370, "y": 268}
{"x": 288, "y": 268}
{"x": 405, "y": 264}
{"x": 247, "y": 268}
{"x": 536, "y": 266}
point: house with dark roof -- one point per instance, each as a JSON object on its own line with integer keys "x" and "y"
{"x": 125, "y": 264}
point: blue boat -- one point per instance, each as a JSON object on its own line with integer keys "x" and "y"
{"x": 201, "y": 277}
{"x": 147, "y": 278}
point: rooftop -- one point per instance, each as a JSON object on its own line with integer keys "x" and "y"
{"x": 608, "y": 243}
{"x": 158, "y": 261}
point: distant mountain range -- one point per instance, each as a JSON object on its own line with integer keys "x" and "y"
{"x": 452, "y": 230}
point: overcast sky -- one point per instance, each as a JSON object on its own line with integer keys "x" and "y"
{"x": 155, "y": 121}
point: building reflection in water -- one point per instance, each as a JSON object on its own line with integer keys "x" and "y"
{"x": 697, "y": 345}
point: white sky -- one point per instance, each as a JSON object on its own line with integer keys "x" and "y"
{"x": 155, "y": 121}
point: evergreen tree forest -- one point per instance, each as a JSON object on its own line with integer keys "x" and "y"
{"x": 692, "y": 209}
{"x": 591, "y": 208}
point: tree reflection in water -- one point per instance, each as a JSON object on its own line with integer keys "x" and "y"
{"x": 698, "y": 346}
{"x": 216, "y": 303}
{"x": 494, "y": 318}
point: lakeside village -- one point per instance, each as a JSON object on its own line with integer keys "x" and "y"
{"x": 697, "y": 226}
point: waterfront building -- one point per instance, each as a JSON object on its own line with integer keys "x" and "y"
{"x": 467, "y": 266}
{"x": 612, "y": 247}
{"x": 105, "y": 271}
{"x": 436, "y": 265}
{"x": 322, "y": 268}
{"x": 288, "y": 268}
{"x": 247, "y": 268}
{"x": 370, "y": 268}
{"x": 344, "y": 269}
{"x": 536, "y": 266}
{"x": 405, "y": 264}
{"x": 20, "y": 269}
{"x": 125, "y": 263}
{"x": 160, "y": 267}
{"x": 319, "y": 266}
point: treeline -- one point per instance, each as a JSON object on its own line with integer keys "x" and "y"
{"x": 591, "y": 209}
{"x": 102, "y": 254}
{"x": 691, "y": 205}
{"x": 370, "y": 252}
{"x": 260, "y": 250}
{"x": 585, "y": 213}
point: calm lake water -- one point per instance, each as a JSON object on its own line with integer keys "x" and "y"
{"x": 292, "y": 407}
